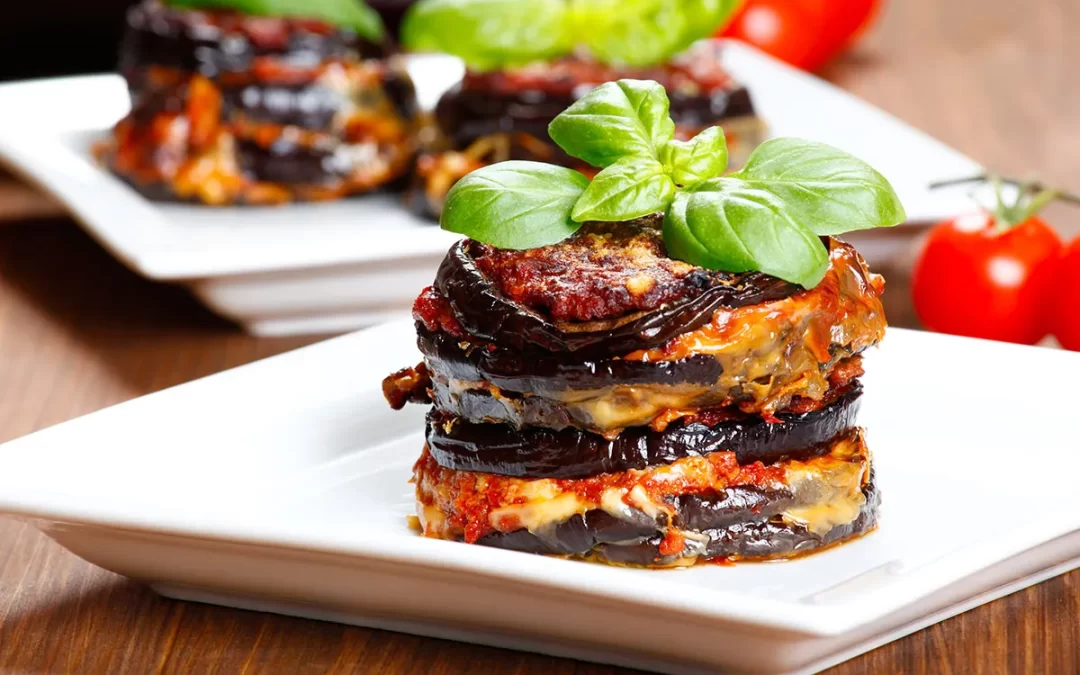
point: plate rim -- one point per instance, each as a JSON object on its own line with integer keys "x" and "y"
{"x": 26, "y": 500}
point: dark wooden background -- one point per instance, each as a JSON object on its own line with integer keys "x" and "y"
{"x": 994, "y": 78}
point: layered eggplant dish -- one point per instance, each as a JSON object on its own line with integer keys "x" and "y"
{"x": 229, "y": 108}
{"x": 495, "y": 116}
{"x": 503, "y": 106}
{"x": 634, "y": 390}
{"x": 596, "y": 398}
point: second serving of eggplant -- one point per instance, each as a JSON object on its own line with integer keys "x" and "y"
{"x": 230, "y": 108}
{"x": 270, "y": 102}
{"x": 512, "y": 89}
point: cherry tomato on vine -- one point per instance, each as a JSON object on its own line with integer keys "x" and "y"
{"x": 979, "y": 277}
{"x": 804, "y": 33}
{"x": 788, "y": 30}
{"x": 847, "y": 20}
{"x": 1066, "y": 304}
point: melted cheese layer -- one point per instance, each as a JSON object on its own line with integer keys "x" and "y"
{"x": 827, "y": 490}
{"x": 609, "y": 410}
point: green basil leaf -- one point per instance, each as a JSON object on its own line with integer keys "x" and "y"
{"x": 730, "y": 225}
{"x": 681, "y": 244}
{"x": 704, "y": 18}
{"x": 490, "y": 34}
{"x": 628, "y": 118}
{"x": 628, "y": 189}
{"x": 630, "y": 32}
{"x": 352, "y": 14}
{"x": 647, "y": 32}
{"x": 699, "y": 159}
{"x": 515, "y": 205}
{"x": 825, "y": 189}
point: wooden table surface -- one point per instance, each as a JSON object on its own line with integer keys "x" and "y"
{"x": 78, "y": 332}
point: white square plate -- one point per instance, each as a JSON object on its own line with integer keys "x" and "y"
{"x": 283, "y": 486}
{"x": 326, "y": 267}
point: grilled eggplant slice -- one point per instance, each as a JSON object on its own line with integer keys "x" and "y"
{"x": 535, "y": 452}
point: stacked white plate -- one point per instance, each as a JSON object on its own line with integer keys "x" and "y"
{"x": 320, "y": 268}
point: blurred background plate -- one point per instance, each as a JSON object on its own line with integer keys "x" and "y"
{"x": 331, "y": 267}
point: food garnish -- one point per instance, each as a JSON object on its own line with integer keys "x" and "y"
{"x": 501, "y": 115}
{"x": 769, "y": 216}
{"x": 492, "y": 34}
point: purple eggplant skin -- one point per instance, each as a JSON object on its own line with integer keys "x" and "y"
{"x": 467, "y": 114}
{"x": 160, "y": 35}
{"x": 549, "y": 375}
{"x": 534, "y": 387}
{"x": 576, "y": 536}
{"x": 771, "y": 539}
{"x": 752, "y": 532}
{"x": 287, "y": 162}
{"x": 308, "y": 105}
{"x": 186, "y": 41}
{"x": 535, "y": 452}
{"x": 312, "y": 105}
{"x": 519, "y": 412}
{"x": 738, "y": 505}
{"x": 487, "y": 315}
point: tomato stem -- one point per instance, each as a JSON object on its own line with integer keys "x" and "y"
{"x": 1040, "y": 199}
{"x": 1003, "y": 215}
{"x": 1062, "y": 196}
{"x": 1031, "y": 198}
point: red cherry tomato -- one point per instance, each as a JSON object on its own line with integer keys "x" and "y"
{"x": 786, "y": 29}
{"x": 804, "y": 33}
{"x": 972, "y": 280}
{"x": 847, "y": 20}
{"x": 1066, "y": 305}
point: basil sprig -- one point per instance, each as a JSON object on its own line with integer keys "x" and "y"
{"x": 352, "y": 14}
{"x": 489, "y": 34}
{"x": 492, "y": 34}
{"x": 523, "y": 204}
{"x": 768, "y": 217}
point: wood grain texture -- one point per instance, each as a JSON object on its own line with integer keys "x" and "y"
{"x": 78, "y": 332}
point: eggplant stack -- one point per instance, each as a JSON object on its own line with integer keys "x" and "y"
{"x": 598, "y": 399}
{"x": 228, "y": 109}
{"x": 501, "y": 115}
